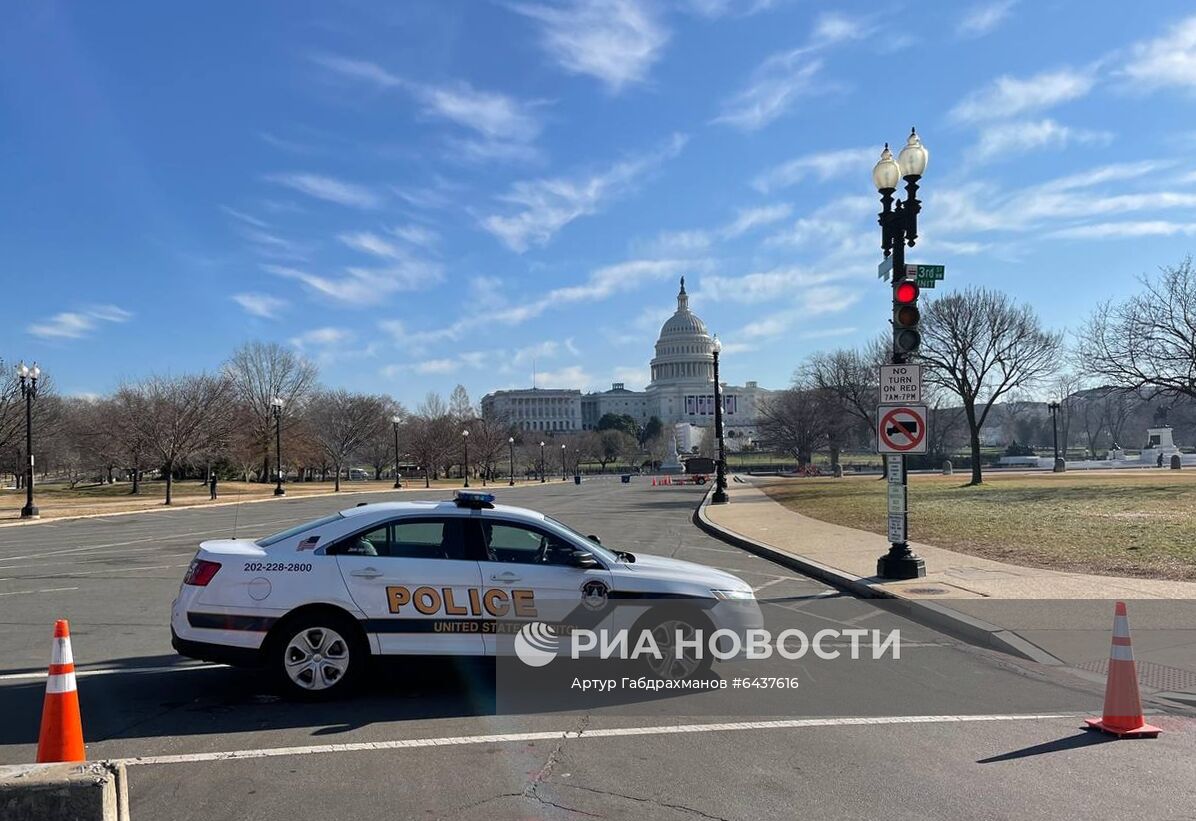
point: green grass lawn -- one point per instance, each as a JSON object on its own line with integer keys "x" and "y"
{"x": 1134, "y": 524}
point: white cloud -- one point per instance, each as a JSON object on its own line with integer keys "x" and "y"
{"x": 775, "y": 86}
{"x": 248, "y": 219}
{"x": 750, "y": 219}
{"x": 763, "y": 286}
{"x": 1012, "y": 96}
{"x": 329, "y": 189}
{"x": 437, "y": 366}
{"x": 1124, "y": 230}
{"x": 545, "y": 206}
{"x": 984, "y": 18}
{"x": 321, "y": 337}
{"x": 365, "y": 286}
{"x": 833, "y": 28}
{"x": 416, "y": 235}
{"x": 1016, "y": 138}
{"x": 571, "y": 376}
{"x": 713, "y": 9}
{"x": 78, "y": 324}
{"x": 261, "y": 305}
{"x": 542, "y": 350}
{"x": 615, "y": 41}
{"x": 822, "y": 166}
{"x": 369, "y": 243}
{"x": 1169, "y": 60}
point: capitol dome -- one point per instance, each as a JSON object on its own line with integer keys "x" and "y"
{"x": 684, "y": 349}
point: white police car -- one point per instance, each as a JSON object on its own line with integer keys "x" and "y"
{"x": 314, "y": 602}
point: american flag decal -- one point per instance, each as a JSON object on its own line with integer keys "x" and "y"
{"x": 308, "y": 544}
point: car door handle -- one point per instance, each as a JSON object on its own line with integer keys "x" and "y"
{"x": 505, "y": 577}
{"x": 367, "y": 573}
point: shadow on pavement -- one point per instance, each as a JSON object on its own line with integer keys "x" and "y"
{"x": 1082, "y": 739}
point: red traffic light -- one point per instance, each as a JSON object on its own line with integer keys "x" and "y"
{"x": 906, "y": 293}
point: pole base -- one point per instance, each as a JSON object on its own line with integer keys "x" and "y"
{"x": 719, "y": 497}
{"x": 1060, "y": 466}
{"x": 279, "y": 492}
{"x": 906, "y": 566}
{"x": 30, "y": 512}
{"x": 511, "y": 483}
{"x": 398, "y": 485}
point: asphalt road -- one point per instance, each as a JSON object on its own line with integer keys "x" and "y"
{"x": 946, "y": 731}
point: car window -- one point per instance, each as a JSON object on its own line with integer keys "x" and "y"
{"x": 428, "y": 538}
{"x": 374, "y": 542}
{"x": 507, "y": 542}
{"x": 274, "y": 538}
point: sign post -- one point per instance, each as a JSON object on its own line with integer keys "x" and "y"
{"x": 900, "y": 429}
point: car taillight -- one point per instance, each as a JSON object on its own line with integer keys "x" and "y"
{"x": 200, "y": 572}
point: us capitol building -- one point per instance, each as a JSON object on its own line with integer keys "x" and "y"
{"x": 681, "y": 393}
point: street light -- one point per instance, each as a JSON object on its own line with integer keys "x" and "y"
{"x": 276, "y": 410}
{"x": 465, "y": 439}
{"x": 29, "y": 377}
{"x": 719, "y": 497}
{"x": 542, "y": 479}
{"x": 899, "y": 228}
{"x": 564, "y": 475}
{"x": 511, "y": 445}
{"x": 395, "y": 420}
{"x": 1059, "y": 466}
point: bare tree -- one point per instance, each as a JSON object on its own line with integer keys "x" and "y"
{"x": 431, "y": 435}
{"x": 613, "y": 445}
{"x": 460, "y": 408}
{"x": 849, "y": 375}
{"x": 342, "y": 423}
{"x": 261, "y": 371}
{"x": 794, "y": 422}
{"x": 176, "y": 417}
{"x": 979, "y": 345}
{"x": 1150, "y": 339}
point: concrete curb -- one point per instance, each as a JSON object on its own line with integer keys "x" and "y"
{"x": 89, "y": 791}
{"x": 929, "y": 614}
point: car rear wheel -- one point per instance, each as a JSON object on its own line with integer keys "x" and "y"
{"x": 318, "y": 656}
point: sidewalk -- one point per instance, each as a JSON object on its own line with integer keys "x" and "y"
{"x": 1048, "y": 616}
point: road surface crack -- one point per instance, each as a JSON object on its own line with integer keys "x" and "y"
{"x": 656, "y": 802}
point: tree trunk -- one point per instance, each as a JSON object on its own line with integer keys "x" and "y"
{"x": 266, "y": 467}
{"x": 427, "y": 478}
{"x": 337, "y": 481}
{"x": 169, "y": 482}
{"x": 974, "y": 439}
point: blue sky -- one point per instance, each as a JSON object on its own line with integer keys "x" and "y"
{"x": 418, "y": 194}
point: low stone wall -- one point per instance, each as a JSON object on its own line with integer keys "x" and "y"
{"x": 92, "y": 791}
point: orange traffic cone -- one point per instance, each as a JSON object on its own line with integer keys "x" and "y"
{"x": 1123, "y": 706}
{"x": 653, "y": 481}
{"x": 61, "y": 737}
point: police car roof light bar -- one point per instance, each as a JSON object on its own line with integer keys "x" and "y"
{"x": 473, "y": 499}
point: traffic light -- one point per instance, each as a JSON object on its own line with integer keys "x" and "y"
{"x": 906, "y": 337}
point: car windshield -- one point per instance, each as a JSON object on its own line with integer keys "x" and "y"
{"x": 593, "y": 546}
{"x": 274, "y": 538}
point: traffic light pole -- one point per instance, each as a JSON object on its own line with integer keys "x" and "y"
{"x": 899, "y": 227}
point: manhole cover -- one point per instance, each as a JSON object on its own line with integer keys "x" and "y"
{"x": 926, "y": 591}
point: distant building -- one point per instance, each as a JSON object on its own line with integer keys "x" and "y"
{"x": 681, "y": 390}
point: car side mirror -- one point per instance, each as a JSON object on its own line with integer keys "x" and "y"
{"x": 582, "y": 559}
{"x": 594, "y": 538}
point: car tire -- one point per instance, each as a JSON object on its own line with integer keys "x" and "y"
{"x": 664, "y": 622}
{"x": 317, "y": 656}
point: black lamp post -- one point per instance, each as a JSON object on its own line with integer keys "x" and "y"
{"x": 719, "y": 497}
{"x": 564, "y": 474}
{"x": 29, "y": 377}
{"x": 1059, "y": 465}
{"x": 465, "y": 439}
{"x": 395, "y": 420}
{"x": 511, "y": 446}
{"x": 276, "y": 411}
{"x": 899, "y": 228}
{"x": 542, "y": 479}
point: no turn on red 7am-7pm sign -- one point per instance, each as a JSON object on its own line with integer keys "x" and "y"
{"x": 901, "y": 429}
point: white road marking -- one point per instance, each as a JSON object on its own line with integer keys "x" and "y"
{"x": 107, "y": 671}
{"x": 47, "y": 590}
{"x": 673, "y": 729}
{"x": 777, "y": 580}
